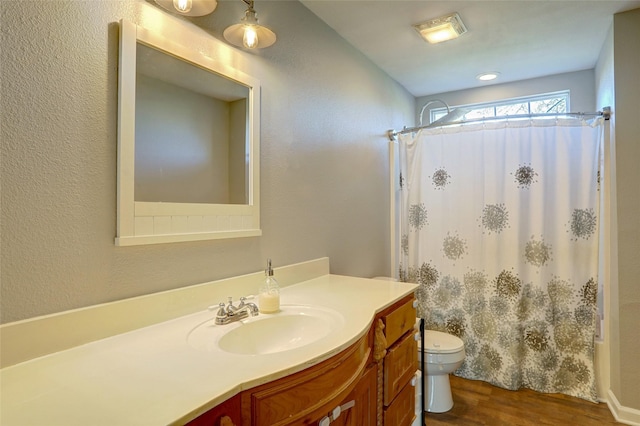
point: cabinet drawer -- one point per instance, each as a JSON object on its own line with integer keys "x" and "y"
{"x": 400, "y": 364}
{"x": 299, "y": 398}
{"x": 399, "y": 321}
{"x": 402, "y": 411}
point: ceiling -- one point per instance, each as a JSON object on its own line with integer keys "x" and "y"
{"x": 519, "y": 39}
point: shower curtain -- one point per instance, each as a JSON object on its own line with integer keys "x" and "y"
{"x": 499, "y": 229}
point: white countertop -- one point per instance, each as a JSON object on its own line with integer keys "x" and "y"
{"x": 152, "y": 376}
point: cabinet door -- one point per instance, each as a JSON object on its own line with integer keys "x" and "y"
{"x": 400, "y": 365}
{"x": 363, "y": 413}
{"x": 303, "y": 397}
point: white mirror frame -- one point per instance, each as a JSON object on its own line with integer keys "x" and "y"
{"x": 160, "y": 222}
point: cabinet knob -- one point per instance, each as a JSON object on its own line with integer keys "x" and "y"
{"x": 336, "y": 413}
{"x": 415, "y": 303}
{"x": 417, "y": 337}
{"x": 226, "y": 421}
{"x": 414, "y": 381}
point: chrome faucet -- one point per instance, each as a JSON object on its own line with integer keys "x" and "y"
{"x": 229, "y": 313}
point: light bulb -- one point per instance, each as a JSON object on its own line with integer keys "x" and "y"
{"x": 183, "y": 6}
{"x": 250, "y": 38}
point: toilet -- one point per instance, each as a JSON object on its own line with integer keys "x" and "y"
{"x": 444, "y": 354}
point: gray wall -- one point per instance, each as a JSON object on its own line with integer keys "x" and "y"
{"x": 324, "y": 156}
{"x": 626, "y": 56}
{"x": 617, "y": 85}
{"x": 610, "y": 359}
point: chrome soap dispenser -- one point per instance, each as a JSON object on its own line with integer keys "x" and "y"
{"x": 269, "y": 293}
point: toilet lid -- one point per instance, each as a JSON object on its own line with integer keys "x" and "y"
{"x": 443, "y": 343}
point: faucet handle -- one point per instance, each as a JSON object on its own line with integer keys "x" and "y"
{"x": 230, "y": 308}
{"x": 220, "y": 307}
{"x": 221, "y": 315}
{"x": 251, "y": 307}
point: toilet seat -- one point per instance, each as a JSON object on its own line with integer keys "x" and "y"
{"x": 441, "y": 343}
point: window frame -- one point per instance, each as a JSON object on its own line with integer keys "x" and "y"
{"x": 437, "y": 113}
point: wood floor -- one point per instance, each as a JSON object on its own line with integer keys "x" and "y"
{"x": 478, "y": 403}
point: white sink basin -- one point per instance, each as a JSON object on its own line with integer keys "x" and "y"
{"x": 293, "y": 327}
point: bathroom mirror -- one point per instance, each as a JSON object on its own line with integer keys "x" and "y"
{"x": 188, "y": 144}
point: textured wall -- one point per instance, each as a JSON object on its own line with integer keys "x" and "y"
{"x": 608, "y": 362}
{"x": 626, "y": 34}
{"x": 324, "y": 172}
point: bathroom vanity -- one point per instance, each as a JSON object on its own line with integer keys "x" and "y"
{"x": 358, "y": 372}
{"x": 370, "y": 379}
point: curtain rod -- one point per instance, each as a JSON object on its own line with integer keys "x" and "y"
{"x": 606, "y": 113}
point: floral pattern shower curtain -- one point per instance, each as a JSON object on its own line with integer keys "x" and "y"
{"x": 499, "y": 229}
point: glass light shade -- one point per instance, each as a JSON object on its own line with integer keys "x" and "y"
{"x": 439, "y": 34}
{"x": 248, "y": 33}
{"x": 441, "y": 29}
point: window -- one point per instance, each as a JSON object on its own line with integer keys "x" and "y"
{"x": 556, "y": 102}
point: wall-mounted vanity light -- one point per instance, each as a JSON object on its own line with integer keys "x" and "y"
{"x": 189, "y": 7}
{"x": 248, "y": 33}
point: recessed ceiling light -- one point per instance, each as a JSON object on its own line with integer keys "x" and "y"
{"x": 487, "y": 76}
{"x": 441, "y": 29}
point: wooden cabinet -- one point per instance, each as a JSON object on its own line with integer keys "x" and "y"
{"x": 399, "y": 364}
{"x": 307, "y": 396}
{"x": 402, "y": 411}
{"x": 363, "y": 412}
{"x": 369, "y": 381}
{"x": 400, "y": 320}
{"x": 226, "y": 414}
